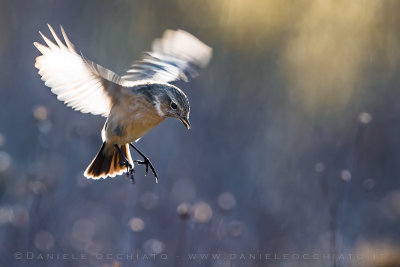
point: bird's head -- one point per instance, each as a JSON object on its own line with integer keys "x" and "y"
{"x": 169, "y": 101}
{"x": 174, "y": 103}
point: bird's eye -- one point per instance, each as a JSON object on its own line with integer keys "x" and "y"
{"x": 173, "y": 105}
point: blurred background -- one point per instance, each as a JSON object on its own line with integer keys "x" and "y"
{"x": 294, "y": 148}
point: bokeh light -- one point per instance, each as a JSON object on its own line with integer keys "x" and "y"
{"x": 226, "y": 201}
{"x": 235, "y": 229}
{"x": 136, "y": 224}
{"x": 202, "y": 212}
{"x": 153, "y": 246}
{"x": 345, "y": 175}
{"x": 148, "y": 200}
{"x": 44, "y": 241}
{"x": 184, "y": 210}
{"x": 40, "y": 113}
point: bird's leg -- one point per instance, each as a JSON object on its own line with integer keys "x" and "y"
{"x": 146, "y": 162}
{"x": 129, "y": 170}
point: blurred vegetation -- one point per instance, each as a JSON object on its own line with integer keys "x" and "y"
{"x": 294, "y": 146}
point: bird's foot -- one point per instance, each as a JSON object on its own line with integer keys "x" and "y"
{"x": 148, "y": 164}
{"x": 129, "y": 170}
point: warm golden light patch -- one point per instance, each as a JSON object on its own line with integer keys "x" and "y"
{"x": 326, "y": 49}
{"x": 326, "y": 58}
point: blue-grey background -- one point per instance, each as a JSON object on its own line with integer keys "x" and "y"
{"x": 294, "y": 148}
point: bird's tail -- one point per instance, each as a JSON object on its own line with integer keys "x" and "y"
{"x": 107, "y": 162}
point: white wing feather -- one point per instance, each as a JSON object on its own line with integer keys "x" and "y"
{"x": 77, "y": 82}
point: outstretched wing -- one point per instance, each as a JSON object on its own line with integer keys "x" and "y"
{"x": 178, "y": 55}
{"x": 78, "y": 82}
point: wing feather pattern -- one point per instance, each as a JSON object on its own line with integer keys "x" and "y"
{"x": 78, "y": 82}
{"x": 178, "y": 55}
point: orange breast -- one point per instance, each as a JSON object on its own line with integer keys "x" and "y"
{"x": 129, "y": 119}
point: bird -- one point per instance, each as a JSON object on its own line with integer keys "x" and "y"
{"x": 132, "y": 103}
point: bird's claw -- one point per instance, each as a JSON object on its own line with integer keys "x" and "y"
{"x": 129, "y": 170}
{"x": 126, "y": 164}
{"x": 148, "y": 164}
{"x": 129, "y": 174}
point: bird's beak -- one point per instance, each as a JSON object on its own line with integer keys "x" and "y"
{"x": 185, "y": 121}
